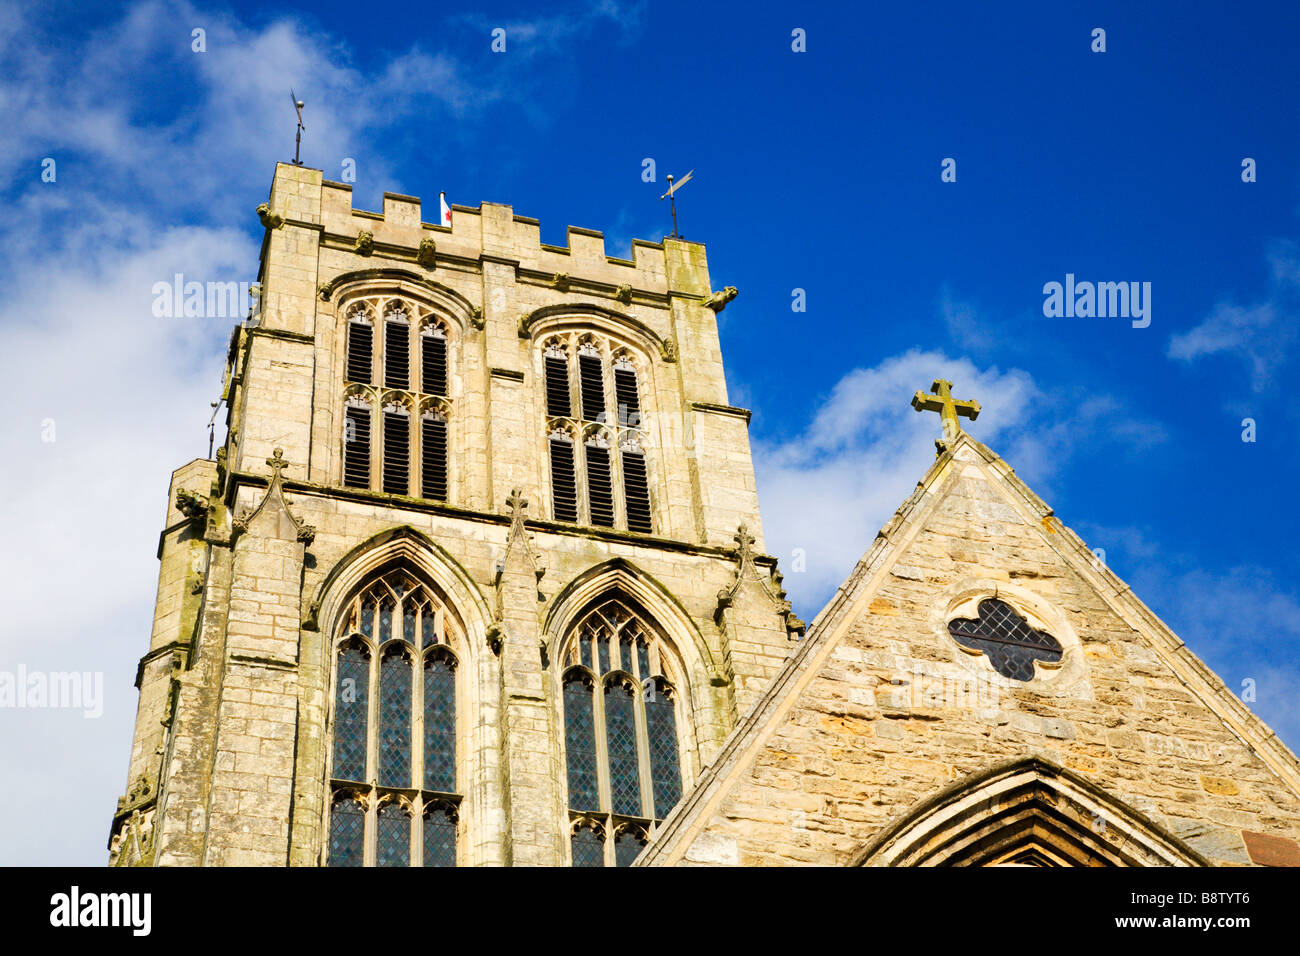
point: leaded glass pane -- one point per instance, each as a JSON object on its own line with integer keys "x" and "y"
{"x": 395, "y": 721}
{"x": 602, "y": 647}
{"x": 439, "y": 725}
{"x": 439, "y": 837}
{"x": 347, "y": 832}
{"x": 627, "y": 846}
{"x": 1011, "y": 644}
{"x": 393, "y": 836}
{"x": 620, "y": 735}
{"x": 588, "y": 850}
{"x": 584, "y": 646}
{"x": 580, "y": 746}
{"x": 643, "y": 657}
{"x": 385, "y": 621}
{"x": 351, "y": 702}
{"x": 368, "y": 619}
{"x": 665, "y": 767}
{"x": 625, "y": 653}
{"x": 428, "y": 629}
{"x": 408, "y": 622}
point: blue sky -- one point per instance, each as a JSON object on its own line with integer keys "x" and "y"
{"x": 817, "y": 171}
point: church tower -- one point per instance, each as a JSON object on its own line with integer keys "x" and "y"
{"x": 477, "y": 576}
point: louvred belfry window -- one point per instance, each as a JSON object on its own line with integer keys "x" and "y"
{"x": 591, "y": 378}
{"x": 600, "y": 490}
{"x": 433, "y": 451}
{"x": 636, "y": 489}
{"x": 397, "y": 349}
{"x": 619, "y": 704}
{"x": 629, "y": 402}
{"x": 564, "y": 484}
{"x": 360, "y": 347}
{"x": 356, "y": 444}
{"x": 397, "y": 450}
{"x": 393, "y": 729}
{"x": 557, "y": 382}
{"x": 611, "y": 475}
{"x": 412, "y": 429}
{"x": 433, "y": 360}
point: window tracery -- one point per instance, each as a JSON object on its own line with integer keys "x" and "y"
{"x": 622, "y": 747}
{"x": 397, "y": 375}
{"x": 393, "y": 777}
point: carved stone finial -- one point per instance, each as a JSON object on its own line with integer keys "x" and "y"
{"x": 668, "y": 350}
{"x": 365, "y": 242}
{"x": 624, "y": 294}
{"x": 718, "y": 301}
{"x": 560, "y": 282}
{"x": 427, "y": 254}
{"x": 270, "y": 220}
{"x": 745, "y": 543}
{"x": 277, "y": 461}
{"x": 517, "y": 504}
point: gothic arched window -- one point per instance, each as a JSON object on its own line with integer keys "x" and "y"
{"x": 599, "y": 472}
{"x": 407, "y": 412}
{"x": 622, "y": 750}
{"x": 394, "y": 794}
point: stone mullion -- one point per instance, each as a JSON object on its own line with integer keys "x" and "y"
{"x": 612, "y": 426}
{"x": 372, "y": 750}
{"x": 643, "y": 753}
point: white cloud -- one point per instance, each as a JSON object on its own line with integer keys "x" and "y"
{"x": 1260, "y": 335}
{"x": 127, "y": 396}
{"x": 829, "y": 489}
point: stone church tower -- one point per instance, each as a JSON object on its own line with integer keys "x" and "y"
{"x": 477, "y": 576}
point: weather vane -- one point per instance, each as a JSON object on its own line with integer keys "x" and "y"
{"x": 671, "y": 196}
{"x": 297, "y": 146}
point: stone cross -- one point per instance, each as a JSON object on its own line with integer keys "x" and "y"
{"x": 947, "y": 407}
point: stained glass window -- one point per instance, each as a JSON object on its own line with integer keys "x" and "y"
{"x": 665, "y": 766}
{"x": 347, "y": 829}
{"x": 606, "y": 732}
{"x": 627, "y": 846}
{"x": 602, "y": 646}
{"x": 643, "y": 657}
{"x": 439, "y": 836}
{"x": 580, "y": 745}
{"x": 439, "y": 724}
{"x": 351, "y": 703}
{"x": 393, "y": 836}
{"x": 620, "y": 733}
{"x": 395, "y": 720}
{"x": 587, "y": 847}
{"x": 1008, "y": 640}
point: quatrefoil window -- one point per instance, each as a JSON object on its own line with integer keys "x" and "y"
{"x": 1006, "y": 638}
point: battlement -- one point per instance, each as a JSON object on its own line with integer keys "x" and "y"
{"x": 491, "y": 231}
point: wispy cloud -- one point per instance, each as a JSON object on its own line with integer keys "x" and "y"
{"x": 1262, "y": 335}
{"x": 829, "y": 489}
